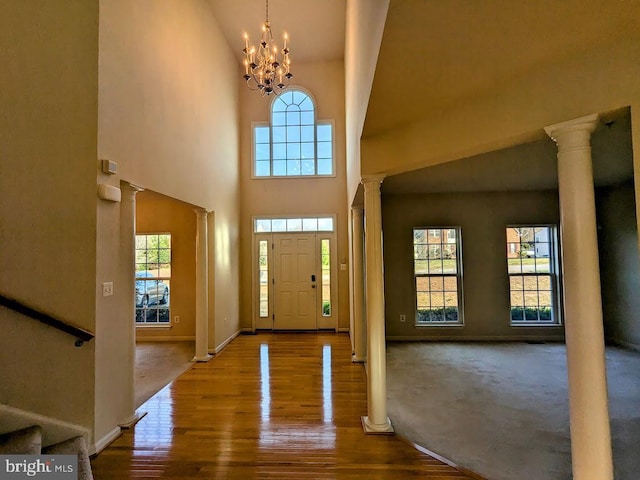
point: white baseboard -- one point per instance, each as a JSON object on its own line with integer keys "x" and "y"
{"x": 343, "y": 330}
{"x": 476, "y": 338}
{"x": 166, "y": 338}
{"x": 221, "y": 347}
{"x": 247, "y": 330}
{"x": 104, "y": 441}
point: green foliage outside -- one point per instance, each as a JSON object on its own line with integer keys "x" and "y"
{"x": 326, "y": 308}
{"x": 531, "y": 314}
{"x": 153, "y": 252}
{"x": 434, "y": 315}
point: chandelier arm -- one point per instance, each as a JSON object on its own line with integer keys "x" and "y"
{"x": 267, "y": 69}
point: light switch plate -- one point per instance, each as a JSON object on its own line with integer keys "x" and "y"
{"x": 107, "y": 289}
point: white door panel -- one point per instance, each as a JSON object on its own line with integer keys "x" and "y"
{"x": 294, "y": 292}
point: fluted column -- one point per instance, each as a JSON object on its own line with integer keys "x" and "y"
{"x": 589, "y": 415}
{"x": 359, "y": 325}
{"x": 127, "y": 249}
{"x": 202, "y": 290}
{"x": 377, "y": 420}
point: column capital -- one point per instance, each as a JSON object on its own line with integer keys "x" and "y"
{"x": 130, "y": 187}
{"x": 373, "y": 178}
{"x": 574, "y": 133}
{"x": 357, "y": 209}
{"x": 201, "y": 213}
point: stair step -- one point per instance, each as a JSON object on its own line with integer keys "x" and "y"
{"x": 27, "y": 441}
{"x": 73, "y": 446}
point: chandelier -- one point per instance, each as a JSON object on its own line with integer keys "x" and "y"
{"x": 265, "y": 68}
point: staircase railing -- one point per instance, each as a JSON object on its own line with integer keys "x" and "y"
{"x": 81, "y": 334}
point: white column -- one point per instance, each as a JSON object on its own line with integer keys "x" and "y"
{"x": 589, "y": 415}
{"x": 127, "y": 250}
{"x": 377, "y": 420}
{"x": 359, "y": 325}
{"x": 202, "y": 289}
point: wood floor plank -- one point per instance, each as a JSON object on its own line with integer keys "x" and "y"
{"x": 281, "y": 406}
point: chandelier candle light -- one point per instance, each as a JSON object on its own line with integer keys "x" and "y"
{"x": 265, "y": 68}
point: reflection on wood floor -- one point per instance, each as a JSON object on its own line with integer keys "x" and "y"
{"x": 283, "y": 406}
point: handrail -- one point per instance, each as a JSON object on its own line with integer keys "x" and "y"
{"x": 81, "y": 334}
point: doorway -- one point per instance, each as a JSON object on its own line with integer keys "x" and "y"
{"x": 294, "y": 281}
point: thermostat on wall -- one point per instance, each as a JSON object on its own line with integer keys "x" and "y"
{"x": 109, "y": 167}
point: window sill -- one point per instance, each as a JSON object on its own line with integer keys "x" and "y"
{"x": 154, "y": 325}
{"x": 439, "y": 324}
{"x": 282, "y": 177}
{"x": 536, "y": 324}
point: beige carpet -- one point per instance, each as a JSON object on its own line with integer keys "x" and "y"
{"x": 501, "y": 410}
{"x": 158, "y": 364}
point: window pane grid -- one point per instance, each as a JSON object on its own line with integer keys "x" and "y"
{"x": 263, "y": 278}
{"x": 303, "y": 224}
{"x": 294, "y": 145}
{"x": 436, "y": 272}
{"x": 531, "y": 277}
{"x": 325, "y": 261}
{"x": 152, "y": 278}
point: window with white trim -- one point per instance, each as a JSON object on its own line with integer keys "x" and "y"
{"x": 299, "y": 224}
{"x": 437, "y": 275}
{"x": 325, "y": 265}
{"x": 294, "y": 144}
{"x": 153, "y": 279}
{"x": 532, "y": 278}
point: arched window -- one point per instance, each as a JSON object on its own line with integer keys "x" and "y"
{"x": 294, "y": 144}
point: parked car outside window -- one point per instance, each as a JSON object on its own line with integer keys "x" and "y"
{"x": 149, "y": 290}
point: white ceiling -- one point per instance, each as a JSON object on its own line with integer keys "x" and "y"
{"x": 316, "y": 28}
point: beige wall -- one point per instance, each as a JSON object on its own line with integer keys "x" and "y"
{"x": 483, "y": 218}
{"x": 156, "y": 213}
{"x": 515, "y": 112}
{"x": 48, "y": 136}
{"x": 300, "y": 196}
{"x": 168, "y": 116}
{"x": 619, "y": 263}
{"x": 365, "y": 24}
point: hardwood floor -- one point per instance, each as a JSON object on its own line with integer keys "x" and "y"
{"x": 282, "y": 406}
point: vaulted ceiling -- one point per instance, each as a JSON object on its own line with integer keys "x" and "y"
{"x": 436, "y": 54}
{"x": 316, "y": 27}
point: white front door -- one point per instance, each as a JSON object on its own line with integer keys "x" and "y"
{"x": 295, "y": 282}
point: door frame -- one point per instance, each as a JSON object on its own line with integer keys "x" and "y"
{"x": 329, "y": 322}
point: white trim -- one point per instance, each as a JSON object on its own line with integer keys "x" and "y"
{"x": 255, "y": 218}
{"x": 135, "y": 418}
{"x": 247, "y": 330}
{"x": 553, "y": 273}
{"x": 104, "y": 442}
{"x": 166, "y": 338}
{"x": 316, "y": 123}
{"x": 476, "y": 338}
{"x": 443, "y": 241}
{"x": 269, "y": 236}
{"x": 343, "y": 330}
{"x": 222, "y": 346}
